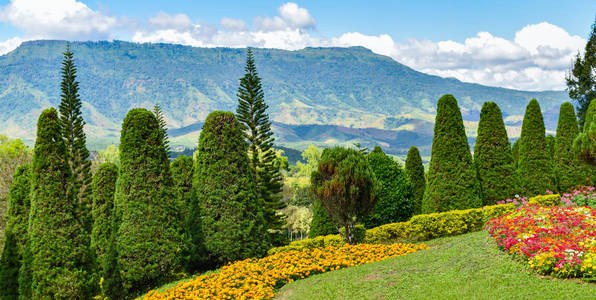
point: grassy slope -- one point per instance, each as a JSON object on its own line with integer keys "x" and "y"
{"x": 462, "y": 267}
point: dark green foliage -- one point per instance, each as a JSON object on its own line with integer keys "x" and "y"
{"x": 16, "y": 232}
{"x": 569, "y": 170}
{"x": 163, "y": 127}
{"x": 515, "y": 153}
{"x": 9, "y": 268}
{"x": 111, "y": 286}
{"x": 550, "y": 150}
{"x": 182, "y": 174}
{"x": 320, "y": 224}
{"x": 59, "y": 243}
{"x": 232, "y": 220}
{"x": 396, "y": 196}
{"x": 581, "y": 82}
{"x": 25, "y": 273}
{"x": 585, "y": 143}
{"x": 415, "y": 171}
{"x": 534, "y": 167}
{"x": 346, "y": 186}
{"x": 493, "y": 159}
{"x": 72, "y": 123}
{"x": 104, "y": 187}
{"x": 252, "y": 114}
{"x": 149, "y": 236}
{"x": 451, "y": 181}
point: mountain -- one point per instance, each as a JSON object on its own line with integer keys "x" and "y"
{"x": 324, "y": 96}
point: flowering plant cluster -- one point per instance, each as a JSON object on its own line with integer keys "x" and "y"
{"x": 517, "y": 201}
{"x": 584, "y": 195}
{"x": 261, "y": 278}
{"x": 558, "y": 241}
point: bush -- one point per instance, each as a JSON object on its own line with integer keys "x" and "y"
{"x": 415, "y": 171}
{"x": 570, "y": 171}
{"x": 320, "y": 223}
{"x": 359, "y": 233}
{"x": 546, "y": 200}
{"x": 585, "y": 142}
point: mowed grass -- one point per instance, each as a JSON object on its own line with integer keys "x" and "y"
{"x": 463, "y": 267}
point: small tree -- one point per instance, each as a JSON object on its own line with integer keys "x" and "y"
{"x": 396, "y": 198}
{"x": 585, "y": 142}
{"x": 581, "y": 81}
{"x": 231, "y": 216}
{"x": 415, "y": 171}
{"x": 163, "y": 127}
{"x": 346, "y": 187}
{"x": 320, "y": 224}
{"x": 493, "y": 158}
{"x": 535, "y": 168}
{"x": 515, "y": 152}
{"x": 9, "y": 268}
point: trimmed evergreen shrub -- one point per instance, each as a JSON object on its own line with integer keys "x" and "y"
{"x": 346, "y": 186}
{"x": 59, "y": 244}
{"x": 415, "y": 171}
{"x": 550, "y": 147}
{"x": 535, "y": 169}
{"x": 149, "y": 236}
{"x": 451, "y": 177}
{"x": 320, "y": 223}
{"x": 232, "y": 220}
{"x": 493, "y": 158}
{"x": 396, "y": 198}
{"x": 515, "y": 152}
{"x": 104, "y": 187}
{"x": 17, "y": 222}
{"x": 182, "y": 174}
{"x": 570, "y": 171}
{"x": 585, "y": 142}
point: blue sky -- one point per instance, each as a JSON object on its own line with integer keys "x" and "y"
{"x": 515, "y": 44}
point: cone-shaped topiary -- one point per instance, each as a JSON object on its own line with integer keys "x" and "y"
{"x": 17, "y": 223}
{"x": 570, "y": 171}
{"x": 182, "y": 174}
{"x": 58, "y": 241}
{"x": 104, "y": 187}
{"x": 415, "y": 171}
{"x": 493, "y": 158}
{"x": 320, "y": 223}
{"x": 149, "y": 236}
{"x": 534, "y": 167}
{"x": 233, "y": 222}
{"x": 396, "y": 197}
{"x": 585, "y": 142}
{"x": 451, "y": 176}
{"x": 515, "y": 152}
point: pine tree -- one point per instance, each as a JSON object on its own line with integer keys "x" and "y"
{"x": 104, "y": 187}
{"x": 16, "y": 232}
{"x": 585, "y": 142}
{"x": 58, "y": 242}
{"x": 252, "y": 114}
{"x": 493, "y": 158}
{"x": 396, "y": 196}
{"x": 72, "y": 123}
{"x": 232, "y": 220}
{"x": 149, "y": 236}
{"x": 163, "y": 126}
{"x": 534, "y": 167}
{"x": 320, "y": 224}
{"x": 451, "y": 177}
{"x": 581, "y": 81}
{"x": 182, "y": 175}
{"x": 415, "y": 171}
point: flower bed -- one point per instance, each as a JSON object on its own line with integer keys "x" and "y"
{"x": 260, "y": 278}
{"x": 557, "y": 241}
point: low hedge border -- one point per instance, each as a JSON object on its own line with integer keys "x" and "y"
{"x": 418, "y": 228}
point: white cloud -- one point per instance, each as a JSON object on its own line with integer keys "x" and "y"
{"x": 296, "y": 17}
{"x": 233, "y": 24}
{"x": 165, "y": 21}
{"x": 10, "y": 45}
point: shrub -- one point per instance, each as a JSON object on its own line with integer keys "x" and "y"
{"x": 546, "y": 200}
{"x": 346, "y": 186}
{"x": 415, "y": 171}
{"x": 493, "y": 159}
{"x": 395, "y": 202}
{"x": 535, "y": 169}
{"x": 59, "y": 244}
{"x": 585, "y": 142}
{"x": 320, "y": 223}
{"x": 232, "y": 221}
{"x": 359, "y": 233}
{"x": 451, "y": 176}
{"x": 570, "y": 171}
{"x": 149, "y": 238}
{"x": 9, "y": 268}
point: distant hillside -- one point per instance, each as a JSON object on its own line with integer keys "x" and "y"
{"x": 320, "y": 95}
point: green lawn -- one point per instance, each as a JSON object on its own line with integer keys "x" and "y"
{"x": 463, "y": 267}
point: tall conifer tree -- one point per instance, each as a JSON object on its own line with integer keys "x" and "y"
{"x": 493, "y": 158}
{"x": 72, "y": 123}
{"x": 451, "y": 176}
{"x": 581, "y": 81}
{"x": 415, "y": 171}
{"x": 252, "y": 114}
{"x": 163, "y": 126}
{"x": 58, "y": 243}
{"x": 570, "y": 171}
{"x": 534, "y": 166}
{"x": 585, "y": 142}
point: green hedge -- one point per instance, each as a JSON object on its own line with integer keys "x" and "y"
{"x": 419, "y": 228}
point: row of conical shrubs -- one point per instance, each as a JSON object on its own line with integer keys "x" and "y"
{"x": 497, "y": 171}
